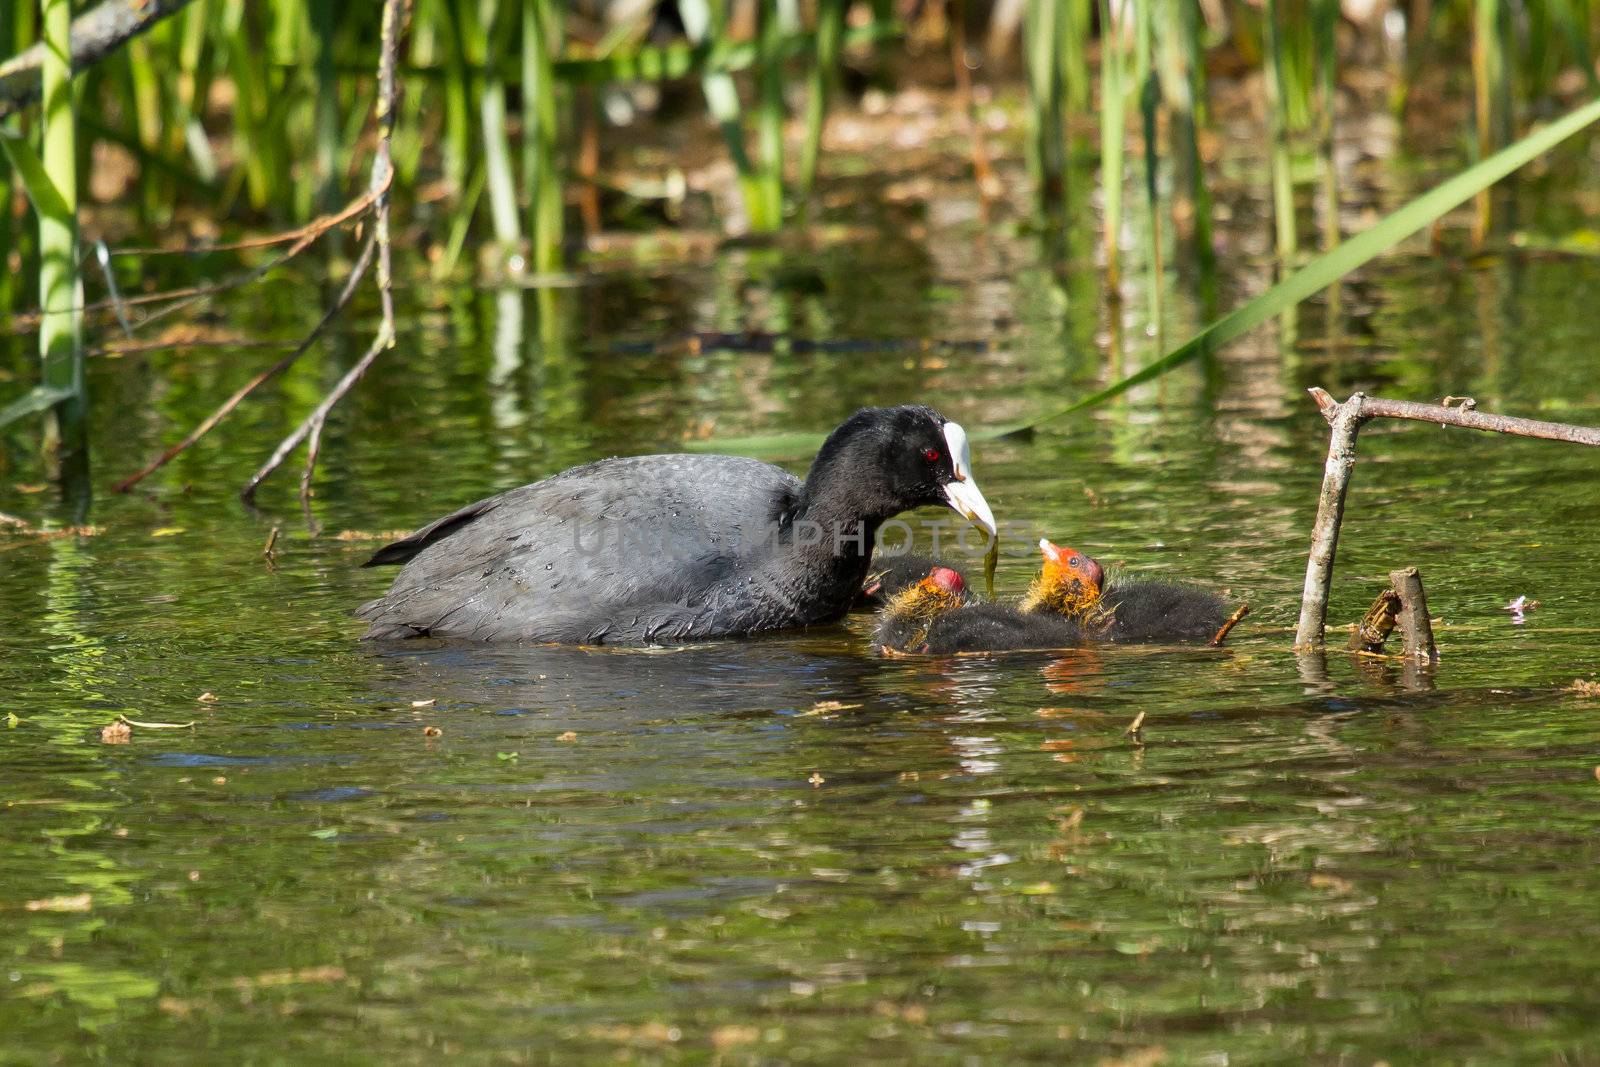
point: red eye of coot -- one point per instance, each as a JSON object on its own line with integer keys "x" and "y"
{"x": 930, "y": 454}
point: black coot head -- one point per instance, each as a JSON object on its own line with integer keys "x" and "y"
{"x": 882, "y": 461}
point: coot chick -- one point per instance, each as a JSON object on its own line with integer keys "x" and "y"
{"x": 1125, "y": 611}
{"x": 889, "y": 575}
{"x": 1144, "y": 611}
{"x": 933, "y": 615}
{"x": 1069, "y": 583}
{"x": 659, "y": 549}
{"x": 910, "y": 611}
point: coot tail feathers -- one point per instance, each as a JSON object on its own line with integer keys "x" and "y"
{"x": 406, "y": 549}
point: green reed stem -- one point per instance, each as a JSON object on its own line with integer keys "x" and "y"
{"x": 60, "y": 324}
{"x": 324, "y": 18}
{"x": 541, "y": 30}
{"x": 196, "y": 63}
{"x": 1326, "y": 16}
{"x": 824, "y": 64}
{"x": 1488, "y": 77}
{"x": 503, "y": 210}
{"x": 703, "y": 25}
{"x": 1113, "y": 104}
{"x": 1076, "y": 19}
{"x": 1149, "y": 103}
{"x": 770, "y": 108}
{"x": 1184, "y": 86}
{"x": 457, "y": 99}
{"x": 1046, "y": 146}
{"x": 1278, "y": 131}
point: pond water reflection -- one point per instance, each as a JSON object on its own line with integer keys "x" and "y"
{"x": 789, "y": 849}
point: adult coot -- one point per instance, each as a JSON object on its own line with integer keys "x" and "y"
{"x": 658, "y": 549}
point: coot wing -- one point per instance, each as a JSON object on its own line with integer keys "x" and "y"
{"x": 623, "y": 550}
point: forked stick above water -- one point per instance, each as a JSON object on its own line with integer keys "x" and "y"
{"x": 1346, "y": 420}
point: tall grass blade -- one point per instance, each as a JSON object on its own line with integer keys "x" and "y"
{"x": 1046, "y": 146}
{"x": 1278, "y": 133}
{"x": 1113, "y": 121}
{"x": 1333, "y": 265}
{"x": 54, "y": 187}
{"x": 824, "y": 71}
{"x": 772, "y": 20}
{"x": 702, "y": 24}
{"x": 1149, "y": 103}
{"x": 324, "y": 16}
{"x": 1488, "y": 77}
{"x": 541, "y": 31}
{"x": 497, "y": 23}
{"x": 1184, "y": 87}
{"x": 457, "y": 99}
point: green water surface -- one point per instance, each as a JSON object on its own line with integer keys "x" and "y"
{"x": 790, "y": 850}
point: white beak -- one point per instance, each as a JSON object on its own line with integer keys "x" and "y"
{"x": 963, "y": 492}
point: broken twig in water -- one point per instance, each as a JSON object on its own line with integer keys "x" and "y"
{"x": 190, "y": 725}
{"x": 1346, "y": 420}
{"x": 1415, "y": 626}
{"x": 1233, "y": 620}
{"x": 1135, "y": 729}
{"x": 272, "y": 539}
{"x": 1377, "y": 624}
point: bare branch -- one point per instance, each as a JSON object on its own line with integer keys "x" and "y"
{"x": 1330, "y": 513}
{"x": 1347, "y": 419}
{"x": 396, "y": 13}
{"x": 95, "y": 35}
{"x": 1463, "y": 416}
{"x": 211, "y": 420}
{"x": 1233, "y": 620}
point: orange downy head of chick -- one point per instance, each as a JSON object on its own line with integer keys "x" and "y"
{"x": 942, "y": 590}
{"x": 1070, "y": 582}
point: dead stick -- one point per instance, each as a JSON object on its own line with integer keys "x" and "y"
{"x": 1377, "y": 624}
{"x": 1346, "y": 420}
{"x": 1330, "y": 513}
{"x": 272, "y": 539}
{"x": 1135, "y": 729}
{"x": 1233, "y": 620}
{"x": 1378, "y": 407}
{"x": 1415, "y": 625}
{"x": 95, "y": 34}
{"x": 255, "y": 383}
{"x": 395, "y": 15}
{"x": 303, "y": 238}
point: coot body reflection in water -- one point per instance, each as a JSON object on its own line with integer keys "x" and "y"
{"x": 672, "y": 548}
